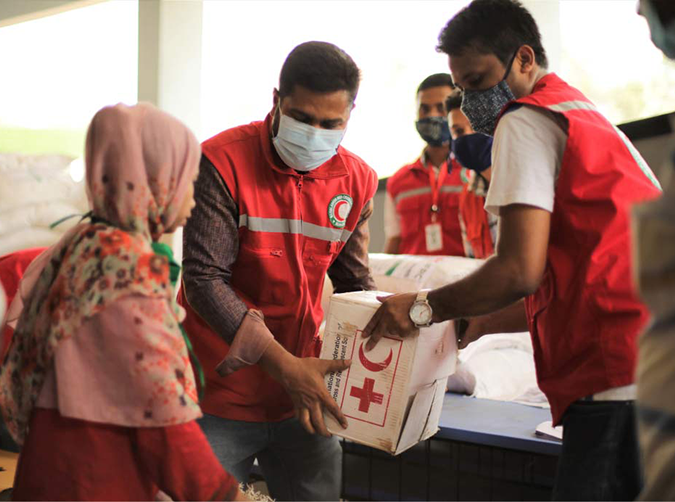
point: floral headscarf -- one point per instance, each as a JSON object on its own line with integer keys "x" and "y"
{"x": 140, "y": 163}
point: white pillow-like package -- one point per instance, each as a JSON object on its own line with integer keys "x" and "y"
{"x": 499, "y": 367}
{"x": 40, "y": 215}
{"x": 36, "y": 191}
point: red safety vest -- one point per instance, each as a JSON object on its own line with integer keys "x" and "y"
{"x": 410, "y": 189}
{"x": 291, "y": 229}
{"x": 585, "y": 317}
{"x": 476, "y": 224}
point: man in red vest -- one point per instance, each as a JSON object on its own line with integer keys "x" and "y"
{"x": 279, "y": 203}
{"x": 421, "y": 205}
{"x": 472, "y": 151}
{"x": 564, "y": 180}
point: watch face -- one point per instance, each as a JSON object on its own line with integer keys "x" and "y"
{"x": 420, "y": 313}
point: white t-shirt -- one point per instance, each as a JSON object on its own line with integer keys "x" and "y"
{"x": 526, "y": 157}
{"x": 392, "y": 219}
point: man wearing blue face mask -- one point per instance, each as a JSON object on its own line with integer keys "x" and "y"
{"x": 472, "y": 151}
{"x": 654, "y": 240}
{"x": 421, "y": 206}
{"x": 563, "y": 182}
{"x": 279, "y": 204}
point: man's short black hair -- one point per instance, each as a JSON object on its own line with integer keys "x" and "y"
{"x": 320, "y": 67}
{"x": 665, "y": 9}
{"x": 454, "y": 101}
{"x": 496, "y": 27}
{"x": 436, "y": 80}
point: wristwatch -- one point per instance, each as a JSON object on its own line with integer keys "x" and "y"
{"x": 420, "y": 311}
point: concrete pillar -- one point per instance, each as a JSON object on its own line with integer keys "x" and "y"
{"x": 169, "y": 65}
{"x": 547, "y": 15}
{"x": 170, "y": 57}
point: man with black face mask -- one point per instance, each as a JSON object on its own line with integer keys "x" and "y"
{"x": 421, "y": 206}
{"x": 472, "y": 150}
{"x": 563, "y": 182}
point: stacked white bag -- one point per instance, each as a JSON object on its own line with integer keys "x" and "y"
{"x": 36, "y": 191}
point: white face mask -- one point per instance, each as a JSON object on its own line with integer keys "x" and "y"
{"x": 304, "y": 147}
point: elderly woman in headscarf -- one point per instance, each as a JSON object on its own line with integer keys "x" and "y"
{"x": 97, "y": 385}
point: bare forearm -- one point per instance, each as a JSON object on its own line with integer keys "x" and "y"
{"x": 494, "y": 286}
{"x": 511, "y": 319}
{"x": 392, "y": 245}
{"x": 276, "y": 360}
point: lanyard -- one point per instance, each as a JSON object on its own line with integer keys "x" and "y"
{"x": 436, "y": 188}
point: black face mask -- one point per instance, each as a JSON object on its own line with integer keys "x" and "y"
{"x": 483, "y": 107}
{"x": 434, "y": 130}
{"x": 473, "y": 151}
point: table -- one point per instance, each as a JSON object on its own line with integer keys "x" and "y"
{"x": 495, "y": 423}
{"x": 485, "y": 450}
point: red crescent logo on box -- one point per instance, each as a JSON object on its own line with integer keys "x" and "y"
{"x": 372, "y": 366}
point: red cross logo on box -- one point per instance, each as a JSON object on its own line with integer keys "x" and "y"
{"x": 366, "y": 395}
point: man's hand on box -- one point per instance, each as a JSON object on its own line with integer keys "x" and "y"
{"x": 304, "y": 382}
{"x": 392, "y": 318}
{"x": 303, "y": 379}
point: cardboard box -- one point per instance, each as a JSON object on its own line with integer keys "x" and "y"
{"x": 392, "y": 396}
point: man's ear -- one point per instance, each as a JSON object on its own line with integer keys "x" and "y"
{"x": 276, "y": 99}
{"x": 526, "y": 59}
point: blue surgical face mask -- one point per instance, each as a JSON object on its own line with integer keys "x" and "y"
{"x": 483, "y": 107}
{"x": 662, "y": 36}
{"x": 473, "y": 151}
{"x": 434, "y": 130}
{"x": 303, "y": 147}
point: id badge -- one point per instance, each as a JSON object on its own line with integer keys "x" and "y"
{"x": 434, "y": 237}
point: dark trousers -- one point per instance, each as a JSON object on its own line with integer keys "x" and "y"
{"x": 600, "y": 459}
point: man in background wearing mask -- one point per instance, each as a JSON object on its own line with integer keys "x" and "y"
{"x": 655, "y": 261}
{"x": 279, "y": 204}
{"x": 472, "y": 151}
{"x": 421, "y": 205}
{"x": 564, "y": 244}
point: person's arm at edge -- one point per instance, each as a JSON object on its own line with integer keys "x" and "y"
{"x": 350, "y": 271}
{"x": 392, "y": 225}
{"x": 511, "y": 319}
{"x": 514, "y": 272}
{"x": 392, "y": 244}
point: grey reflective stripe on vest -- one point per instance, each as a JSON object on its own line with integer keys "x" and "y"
{"x": 421, "y": 191}
{"x": 567, "y": 106}
{"x": 638, "y": 159}
{"x": 411, "y": 193}
{"x": 452, "y": 189}
{"x": 286, "y": 226}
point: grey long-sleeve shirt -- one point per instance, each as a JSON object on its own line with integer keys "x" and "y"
{"x": 211, "y": 246}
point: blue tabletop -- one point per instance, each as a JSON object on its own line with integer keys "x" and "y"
{"x": 495, "y": 423}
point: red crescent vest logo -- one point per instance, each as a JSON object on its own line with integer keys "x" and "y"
{"x": 339, "y": 208}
